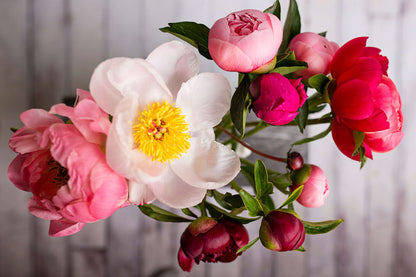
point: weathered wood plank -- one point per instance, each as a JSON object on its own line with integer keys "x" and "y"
{"x": 15, "y": 236}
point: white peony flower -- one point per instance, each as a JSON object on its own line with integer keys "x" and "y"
{"x": 162, "y": 137}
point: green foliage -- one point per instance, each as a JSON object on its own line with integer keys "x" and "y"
{"x": 281, "y": 181}
{"x": 217, "y": 212}
{"x": 228, "y": 201}
{"x": 239, "y": 105}
{"x": 292, "y": 197}
{"x": 292, "y": 25}
{"x": 252, "y": 204}
{"x": 319, "y": 82}
{"x": 248, "y": 245}
{"x": 263, "y": 186}
{"x": 316, "y": 228}
{"x": 302, "y": 118}
{"x": 313, "y": 138}
{"x": 160, "y": 214}
{"x": 274, "y": 9}
{"x": 194, "y": 33}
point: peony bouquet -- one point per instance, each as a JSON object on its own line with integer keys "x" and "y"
{"x": 158, "y": 134}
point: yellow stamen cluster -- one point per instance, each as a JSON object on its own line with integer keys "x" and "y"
{"x": 161, "y": 132}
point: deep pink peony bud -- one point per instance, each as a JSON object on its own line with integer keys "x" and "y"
{"x": 365, "y": 100}
{"x": 276, "y": 98}
{"x": 315, "y": 189}
{"x": 281, "y": 231}
{"x": 295, "y": 161}
{"x": 245, "y": 41}
{"x": 315, "y": 50}
{"x": 210, "y": 240}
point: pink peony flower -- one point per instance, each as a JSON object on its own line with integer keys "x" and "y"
{"x": 364, "y": 100}
{"x": 161, "y": 138}
{"x": 64, "y": 167}
{"x": 281, "y": 231}
{"x": 245, "y": 41}
{"x": 315, "y": 185}
{"x": 276, "y": 98}
{"x": 209, "y": 240}
{"x": 315, "y": 50}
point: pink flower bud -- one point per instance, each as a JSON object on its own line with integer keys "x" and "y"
{"x": 209, "y": 240}
{"x": 315, "y": 189}
{"x": 244, "y": 41}
{"x": 295, "y": 161}
{"x": 281, "y": 231}
{"x": 315, "y": 50}
{"x": 276, "y": 98}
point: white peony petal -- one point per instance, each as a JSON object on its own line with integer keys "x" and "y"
{"x": 174, "y": 192}
{"x": 207, "y": 164}
{"x": 204, "y": 99}
{"x": 114, "y": 78}
{"x": 122, "y": 155}
{"x": 176, "y": 63}
{"x": 140, "y": 194}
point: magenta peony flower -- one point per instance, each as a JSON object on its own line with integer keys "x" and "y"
{"x": 276, "y": 98}
{"x": 315, "y": 50}
{"x": 364, "y": 100}
{"x": 64, "y": 167}
{"x": 315, "y": 190}
{"x": 210, "y": 240}
{"x": 245, "y": 41}
{"x": 281, "y": 231}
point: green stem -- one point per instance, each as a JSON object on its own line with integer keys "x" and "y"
{"x": 260, "y": 125}
{"x": 235, "y": 186}
{"x": 203, "y": 208}
{"x": 312, "y": 121}
{"x": 278, "y": 159}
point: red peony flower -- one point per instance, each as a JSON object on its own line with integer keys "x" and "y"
{"x": 364, "y": 100}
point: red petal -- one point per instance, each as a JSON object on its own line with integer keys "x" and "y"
{"x": 184, "y": 262}
{"x": 377, "y": 122}
{"x": 366, "y": 69}
{"x": 347, "y": 55}
{"x": 353, "y": 100}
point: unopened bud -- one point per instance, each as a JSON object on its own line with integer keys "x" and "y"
{"x": 294, "y": 161}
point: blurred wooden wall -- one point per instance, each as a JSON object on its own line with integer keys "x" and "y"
{"x": 48, "y": 48}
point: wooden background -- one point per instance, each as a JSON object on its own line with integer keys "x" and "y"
{"x": 48, "y": 48}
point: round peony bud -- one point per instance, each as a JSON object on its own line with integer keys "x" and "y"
{"x": 210, "y": 240}
{"x": 315, "y": 50}
{"x": 245, "y": 41}
{"x": 276, "y": 99}
{"x": 294, "y": 161}
{"x": 315, "y": 185}
{"x": 281, "y": 231}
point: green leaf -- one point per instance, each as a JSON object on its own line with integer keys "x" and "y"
{"x": 160, "y": 214}
{"x": 301, "y": 249}
{"x": 267, "y": 203}
{"x": 263, "y": 186}
{"x": 289, "y": 65}
{"x": 252, "y": 204}
{"x": 323, "y": 34}
{"x": 228, "y": 201}
{"x": 188, "y": 212}
{"x": 316, "y": 228}
{"x": 292, "y": 25}
{"x": 313, "y": 138}
{"x": 194, "y": 33}
{"x": 239, "y": 105}
{"x": 248, "y": 245}
{"x": 319, "y": 82}
{"x": 217, "y": 212}
{"x": 280, "y": 181}
{"x": 359, "y": 139}
{"x": 292, "y": 197}
{"x": 274, "y": 9}
{"x": 302, "y": 118}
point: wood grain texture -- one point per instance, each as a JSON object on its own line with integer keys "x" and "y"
{"x": 48, "y": 48}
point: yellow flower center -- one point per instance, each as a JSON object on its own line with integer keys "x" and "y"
{"x": 162, "y": 132}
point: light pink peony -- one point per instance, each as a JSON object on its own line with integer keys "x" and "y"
{"x": 245, "y": 41}
{"x": 64, "y": 167}
{"x": 276, "y": 99}
{"x": 315, "y": 50}
{"x": 315, "y": 190}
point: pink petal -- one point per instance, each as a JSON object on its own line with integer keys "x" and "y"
{"x": 347, "y": 56}
{"x": 175, "y": 62}
{"x": 60, "y": 228}
{"x": 35, "y": 118}
{"x": 14, "y": 172}
{"x": 353, "y": 100}
{"x": 376, "y": 122}
{"x": 42, "y": 212}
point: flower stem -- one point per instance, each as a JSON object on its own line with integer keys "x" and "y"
{"x": 278, "y": 159}
{"x": 202, "y": 207}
